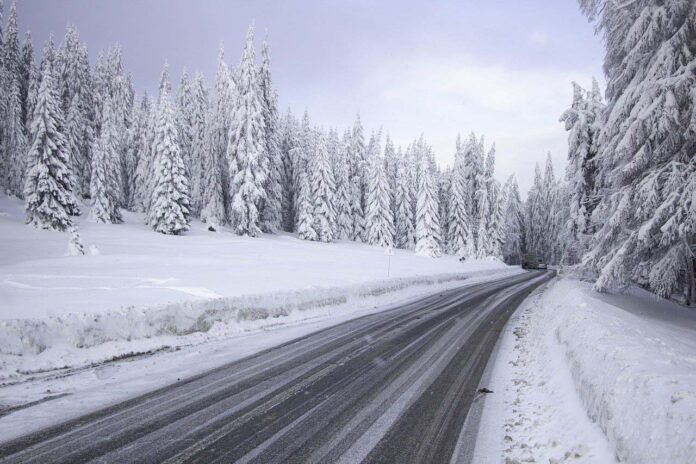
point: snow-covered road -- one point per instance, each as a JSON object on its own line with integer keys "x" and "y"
{"x": 394, "y": 386}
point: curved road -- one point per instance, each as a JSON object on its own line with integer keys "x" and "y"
{"x": 394, "y": 386}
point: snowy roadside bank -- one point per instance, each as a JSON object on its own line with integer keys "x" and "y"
{"x": 30, "y": 346}
{"x": 577, "y": 379}
{"x": 73, "y": 392}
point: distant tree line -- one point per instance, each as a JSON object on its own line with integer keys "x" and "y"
{"x": 77, "y": 134}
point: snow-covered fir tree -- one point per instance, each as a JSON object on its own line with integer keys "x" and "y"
{"x": 305, "y": 213}
{"x": 105, "y": 208}
{"x": 513, "y": 229}
{"x": 271, "y": 210}
{"x": 357, "y": 180}
{"x": 140, "y": 198}
{"x": 184, "y": 121}
{"x": 198, "y": 121}
{"x": 322, "y": 188}
{"x": 169, "y": 207}
{"x": 49, "y": 182}
{"x": 404, "y": 233}
{"x": 427, "y": 220}
{"x": 378, "y": 217}
{"x": 75, "y": 85}
{"x": 246, "y": 149}
{"x": 215, "y": 176}
{"x": 647, "y": 167}
{"x": 484, "y": 240}
{"x": 338, "y": 150}
{"x": 444, "y": 186}
{"x": 583, "y": 123}
{"x": 288, "y": 144}
{"x": 14, "y": 141}
{"x": 27, "y": 73}
{"x": 391, "y": 163}
{"x": 460, "y": 239}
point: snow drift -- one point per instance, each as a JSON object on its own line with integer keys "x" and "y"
{"x": 52, "y": 342}
{"x": 636, "y": 376}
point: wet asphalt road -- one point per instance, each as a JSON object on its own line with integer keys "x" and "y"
{"x": 391, "y": 387}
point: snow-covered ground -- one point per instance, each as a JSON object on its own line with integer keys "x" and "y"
{"x": 583, "y": 377}
{"x": 149, "y": 308}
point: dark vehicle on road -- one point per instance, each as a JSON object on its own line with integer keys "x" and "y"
{"x": 531, "y": 261}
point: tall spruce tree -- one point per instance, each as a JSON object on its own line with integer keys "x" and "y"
{"x": 647, "y": 156}
{"x": 271, "y": 210}
{"x": 140, "y": 152}
{"x": 404, "y": 220}
{"x": 170, "y": 203}
{"x": 104, "y": 199}
{"x": 379, "y": 219}
{"x": 14, "y": 138}
{"x": 288, "y": 144}
{"x": 357, "y": 180}
{"x": 344, "y": 222}
{"x": 460, "y": 240}
{"x": 198, "y": 122}
{"x": 322, "y": 191}
{"x": 49, "y": 183}
{"x": 246, "y": 150}
{"x": 513, "y": 229}
{"x": 427, "y": 220}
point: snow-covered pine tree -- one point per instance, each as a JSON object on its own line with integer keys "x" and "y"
{"x": 534, "y": 215}
{"x": 198, "y": 120}
{"x": 583, "y": 123}
{"x": 104, "y": 199}
{"x": 391, "y": 163}
{"x": 246, "y": 149}
{"x": 29, "y": 81}
{"x": 75, "y": 87}
{"x": 378, "y": 217}
{"x": 14, "y": 138}
{"x": 305, "y": 214}
{"x": 299, "y": 155}
{"x": 170, "y": 203}
{"x": 322, "y": 188}
{"x": 28, "y": 73}
{"x": 513, "y": 229}
{"x": 212, "y": 197}
{"x": 288, "y": 144}
{"x": 548, "y": 214}
{"x": 184, "y": 122}
{"x": 75, "y": 246}
{"x": 404, "y": 230}
{"x": 495, "y": 202}
{"x": 484, "y": 240}
{"x": 344, "y": 222}
{"x": 215, "y": 183}
{"x": 427, "y": 220}
{"x": 444, "y": 185}
{"x": 49, "y": 183}
{"x": 647, "y": 155}
{"x": 142, "y": 154}
{"x": 356, "y": 159}
{"x": 460, "y": 240}
{"x": 271, "y": 210}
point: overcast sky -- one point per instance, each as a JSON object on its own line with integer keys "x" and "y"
{"x": 500, "y": 68}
